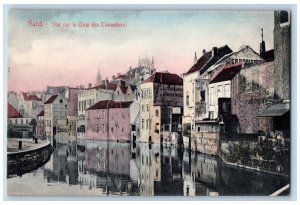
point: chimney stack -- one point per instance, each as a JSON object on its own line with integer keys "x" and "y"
{"x": 214, "y": 51}
{"x": 203, "y": 51}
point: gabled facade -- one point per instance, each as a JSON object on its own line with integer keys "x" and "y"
{"x": 207, "y": 60}
{"x": 31, "y": 105}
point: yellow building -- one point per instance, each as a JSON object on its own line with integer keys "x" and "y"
{"x": 160, "y": 93}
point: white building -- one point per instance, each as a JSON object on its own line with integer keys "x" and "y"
{"x": 55, "y": 108}
{"x": 189, "y": 85}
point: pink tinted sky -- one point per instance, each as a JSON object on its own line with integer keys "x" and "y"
{"x": 41, "y": 56}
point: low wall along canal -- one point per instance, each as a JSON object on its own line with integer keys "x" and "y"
{"x": 20, "y": 162}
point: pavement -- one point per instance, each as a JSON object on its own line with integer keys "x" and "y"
{"x": 27, "y": 144}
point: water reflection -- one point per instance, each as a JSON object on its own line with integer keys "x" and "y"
{"x": 111, "y": 168}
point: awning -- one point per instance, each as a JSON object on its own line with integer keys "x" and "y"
{"x": 275, "y": 110}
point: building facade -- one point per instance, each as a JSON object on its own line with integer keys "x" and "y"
{"x": 207, "y": 60}
{"x": 108, "y": 120}
{"x": 159, "y": 94}
{"x": 55, "y": 108}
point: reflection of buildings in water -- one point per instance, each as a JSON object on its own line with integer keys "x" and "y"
{"x": 148, "y": 161}
{"x": 205, "y": 172}
{"x": 188, "y": 181}
{"x": 171, "y": 172}
{"x": 109, "y": 162}
{"x": 55, "y": 169}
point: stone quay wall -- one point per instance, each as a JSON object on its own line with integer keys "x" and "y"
{"x": 268, "y": 154}
{"x": 205, "y": 142}
{"x": 24, "y": 161}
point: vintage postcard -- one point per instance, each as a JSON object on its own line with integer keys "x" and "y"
{"x": 148, "y": 102}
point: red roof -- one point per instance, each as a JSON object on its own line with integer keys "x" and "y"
{"x": 227, "y": 73}
{"x": 30, "y": 97}
{"x": 109, "y": 104}
{"x": 165, "y": 78}
{"x": 41, "y": 113}
{"x": 51, "y": 99}
{"x": 12, "y": 112}
{"x": 123, "y": 89}
{"x": 207, "y": 59}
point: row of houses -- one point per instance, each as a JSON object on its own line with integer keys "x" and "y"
{"x": 225, "y": 91}
{"x": 241, "y": 92}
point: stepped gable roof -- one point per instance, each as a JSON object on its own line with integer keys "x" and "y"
{"x": 30, "y": 97}
{"x": 208, "y": 59}
{"x": 105, "y": 104}
{"x": 41, "y": 113}
{"x": 165, "y": 78}
{"x": 51, "y": 99}
{"x": 12, "y": 112}
{"x": 227, "y": 73}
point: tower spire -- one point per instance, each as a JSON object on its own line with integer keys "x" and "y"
{"x": 98, "y": 81}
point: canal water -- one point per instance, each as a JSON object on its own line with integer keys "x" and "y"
{"x": 97, "y": 168}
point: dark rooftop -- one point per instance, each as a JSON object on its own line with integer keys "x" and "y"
{"x": 227, "y": 73}
{"x": 165, "y": 78}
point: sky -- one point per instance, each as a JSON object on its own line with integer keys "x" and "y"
{"x": 47, "y": 55}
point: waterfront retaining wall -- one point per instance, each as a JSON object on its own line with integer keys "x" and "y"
{"x": 205, "y": 142}
{"x": 264, "y": 154}
{"x": 24, "y": 161}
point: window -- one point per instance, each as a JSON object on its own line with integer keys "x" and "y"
{"x": 10, "y": 122}
{"x": 211, "y": 114}
{"x": 220, "y": 90}
{"x": 98, "y": 130}
{"x": 212, "y": 95}
{"x": 202, "y": 94}
{"x": 112, "y": 129}
{"x": 103, "y": 127}
{"x": 16, "y": 121}
{"x": 193, "y": 92}
{"x": 147, "y": 124}
{"x": 147, "y": 108}
{"x": 27, "y": 121}
{"x": 198, "y": 129}
{"x": 142, "y": 124}
{"x": 143, "y": 108}
{"x": 156, "y": 112}
{"x": 34, "y": 105}
{"x": 187, "y": 100}
{"x": 61, "y": 101}
{"x": 22, "y": 121}
{"x": 227, "y": 90}
{"x": 61, "y": 106}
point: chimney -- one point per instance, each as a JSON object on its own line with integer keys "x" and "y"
{"x": 203, "y": 51}
{"x": 214, "y": 51}
{"x": 195, "y": 58}
{"x": 90, "y": 85}
{"x": 262, "y": 44}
